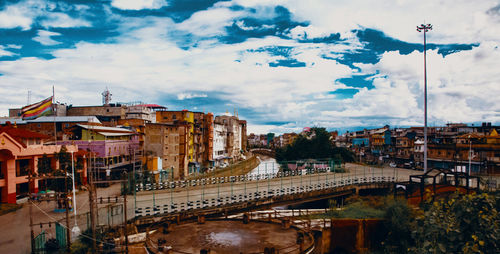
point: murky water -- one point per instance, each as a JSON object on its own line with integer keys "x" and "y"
{"x": 266, "y": 166}
{"x": 224, "y": 239}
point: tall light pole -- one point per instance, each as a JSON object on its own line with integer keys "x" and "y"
{"x": 425, "y": 28}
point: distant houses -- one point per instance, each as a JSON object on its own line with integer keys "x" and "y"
{"x": 448, "y": 146}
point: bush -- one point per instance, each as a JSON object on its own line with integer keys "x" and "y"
{"x": 459, "y": 224}
{"x": 398, "y": 220}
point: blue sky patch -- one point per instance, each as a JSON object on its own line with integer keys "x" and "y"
{"x": 287, "y": 63}
{"x": 344, "y": 93}
{"x": 253, "y": 27}
{"x": 358, "y": 81}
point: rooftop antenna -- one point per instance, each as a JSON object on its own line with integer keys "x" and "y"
{"x": 106, "y": 97}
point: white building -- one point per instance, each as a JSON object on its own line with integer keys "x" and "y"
{"x": 220, "y": 140}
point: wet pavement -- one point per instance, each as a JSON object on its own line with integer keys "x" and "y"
{"x": 229, "y": 236}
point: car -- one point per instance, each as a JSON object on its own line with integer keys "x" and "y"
{"x": 408, "y": 165}
{"x": 392, "y": 165}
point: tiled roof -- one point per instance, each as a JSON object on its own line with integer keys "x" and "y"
{"x": 20, "y": 134}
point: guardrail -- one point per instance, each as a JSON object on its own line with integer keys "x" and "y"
{"x": 202, "y": 203}
{"x": 224, "y": 179}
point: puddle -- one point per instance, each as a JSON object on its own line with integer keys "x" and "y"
{"x": 224, "y": 238}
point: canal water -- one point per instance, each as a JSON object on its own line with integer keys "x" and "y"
{"x": 267, "y": 165}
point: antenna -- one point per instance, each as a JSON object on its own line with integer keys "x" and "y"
{"x": 106, "y": 97}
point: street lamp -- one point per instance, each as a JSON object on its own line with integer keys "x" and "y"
{"x": 425, "y": 28}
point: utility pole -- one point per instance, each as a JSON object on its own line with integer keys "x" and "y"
{"x": 31, "y": 217}
{"x": 66, "y": 211}
{"x": 125, "y": 176}
{"x": 425, "y": 28}
{"x": 92, "y": 205}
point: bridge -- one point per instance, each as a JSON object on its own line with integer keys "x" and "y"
{"x": 263, "y": 151}
{"x": 223, "y": 195}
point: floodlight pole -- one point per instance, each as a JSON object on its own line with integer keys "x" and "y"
{"x": 425, "y": 28}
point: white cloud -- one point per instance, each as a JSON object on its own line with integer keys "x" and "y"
{"x": 4, "y": 52}
{"x": 24, "y": 13}
{"x": 16, "y": 15}
{"x": 44, "y": 38}
{"x": 209, "y": 22}
{"x": 464, "y": 22}
{"x": 63, "y": 20}
{"x": 183, "y": 96}
{"x": 138, "y": 4}
{"x": 146, "y": 64}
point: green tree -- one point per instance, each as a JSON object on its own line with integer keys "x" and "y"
{"x": 64, "y": 159}
{"x": 398, "y": 222}
{"x": 459, "y": 224}
{"x": 44, "y": 166}
{"x": 316, "y": 145}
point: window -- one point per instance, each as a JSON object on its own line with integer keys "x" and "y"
{"x": 23, "y": 167}
{"x": 174, "y": 117}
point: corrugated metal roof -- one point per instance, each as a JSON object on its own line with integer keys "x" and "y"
{"x": 115, "y": 134}
{"x": 51, "y": 119}
{"x": 104, "y": 128}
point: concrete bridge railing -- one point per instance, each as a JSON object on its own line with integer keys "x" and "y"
{"x": 214, "y": 197}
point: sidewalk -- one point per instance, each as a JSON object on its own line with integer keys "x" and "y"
{"x": 15, "y": 230}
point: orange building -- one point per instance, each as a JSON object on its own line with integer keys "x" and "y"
{"x": 20, "y": 151}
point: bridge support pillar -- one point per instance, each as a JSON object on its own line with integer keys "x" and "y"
{"x": 201, "y": 219}
{"x": 286, "y": 223}
{"x": 246, "y": 218}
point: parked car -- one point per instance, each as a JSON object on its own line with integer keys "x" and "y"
{"x": 392, "y": 165}
{"x": 408, "y": 165}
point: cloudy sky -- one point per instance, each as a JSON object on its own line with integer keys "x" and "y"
{"x": 282, "y": 64}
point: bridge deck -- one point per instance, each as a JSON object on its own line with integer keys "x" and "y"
{"x": 241, "y": 193}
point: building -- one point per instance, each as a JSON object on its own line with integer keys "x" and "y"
{"x": 114, "y": 149}
{"x": 235, "y": 132}
{"x": 49, "y": 125}
{"x": 220, "y": 153}
{"x": 20, "y": 153}
{"x": 168, "y": 143}
{"x": 199, "y": 136}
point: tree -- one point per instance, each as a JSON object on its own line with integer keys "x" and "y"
{"x": 64, "y": 159}
{"x": 44, "y": 166}
{"x": 398, "y": 222}
{"x": 459, "y": 224}
{"x": 316, "y": 145}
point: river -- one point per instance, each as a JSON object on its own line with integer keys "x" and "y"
{"x": 267, "y": 165}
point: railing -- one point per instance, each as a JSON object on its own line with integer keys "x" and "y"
{"x": 224, "y": 179}
{"x": 249, "y": 189}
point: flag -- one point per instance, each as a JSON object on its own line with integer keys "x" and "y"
{"x": 38, "y": 109}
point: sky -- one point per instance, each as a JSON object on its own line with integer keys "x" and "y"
{"x": 283, "y": 64}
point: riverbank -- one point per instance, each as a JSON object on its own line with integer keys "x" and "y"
{"x": 239, "y": 168}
